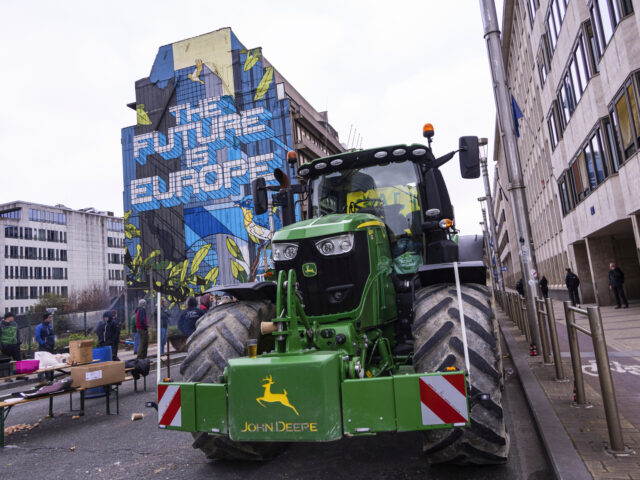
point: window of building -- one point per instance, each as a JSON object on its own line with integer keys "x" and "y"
{"x": 13, "y": 214}
{"x": 541, "y": 60}
{"x": 624, "y": 113}
{"x": 37, "y": 273}
{"x": 589, "y": 166}
{"x": 532, "y": 6}
{"x": 63, "y": 255}
{"x": 64, "y": 291}
{"x": 24, "y": 272}
{"x": 13, "y": 251}
{"x": 22, "y": 293}
{"x": 553, "y": 123}
{"x": 51, "y": 254}
{"x": 33, "y": 292}
{"x": 42, "y": 235}
{"x": 606, "y": 15}
{"x": 57, "y": 273}
{"x": 28, "y": 233}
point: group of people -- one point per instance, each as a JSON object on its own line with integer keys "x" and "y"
{"x": 186, "y": 322}
{"x": 10, "y": 340}
{"x": 572, "y": 282}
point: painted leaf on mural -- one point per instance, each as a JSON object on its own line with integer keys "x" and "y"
{"x": 263, "y": 86}
{"x": 238, "y": 272}
{"x": 137, "y": 260}
{"x": 161, "y": 265}
{"x": 252, "y": 58}
{"x": 185, "y": 267}
{"x": 130, "y": 231}
{"x": 127, "y": 214}
{"x": 152, "y": 258}
{"x": 199, "y": 257}
{"x": 212, "y": 276}
{"x": 143, "y": 117}
{"x": 177, "y": 268}
{"x": 233, "y": 248}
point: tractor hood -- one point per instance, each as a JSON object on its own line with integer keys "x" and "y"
{"x": 328, "y": 225}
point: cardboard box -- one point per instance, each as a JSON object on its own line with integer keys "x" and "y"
{"x": 81, "y": 351}
{"x": 97, "y": 374}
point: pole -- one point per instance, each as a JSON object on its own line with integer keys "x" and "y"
{"x": 126, "y": 305}
{"x": 29, "y": 330}
{"x": 512, "y": 160}
{"x": 85, "y": 323}
{"x": 150, "y": 293}
{"x": 158, "y": 340}
{"x": 606, "y": 382}
{"x": 492, "y": 221}
{"x": 574, "y": 348}
{"x": 557, "y": 359}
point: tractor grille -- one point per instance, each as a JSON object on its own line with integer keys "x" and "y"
{"x": 340, "y": 280}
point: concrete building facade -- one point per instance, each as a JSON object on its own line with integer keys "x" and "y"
{"x": 212, "y": 116}
{"x": 57, "y": 250}
{"x": 573, "y": 67}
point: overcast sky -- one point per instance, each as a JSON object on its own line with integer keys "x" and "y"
{"x": 385, "y": 68}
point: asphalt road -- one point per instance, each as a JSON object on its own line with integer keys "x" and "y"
{"x": 100, "y": 447}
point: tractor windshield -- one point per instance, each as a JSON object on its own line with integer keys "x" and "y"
{"x": 389, "y": 192}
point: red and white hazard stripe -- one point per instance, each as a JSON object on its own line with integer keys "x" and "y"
{"x": 169, "y": 406}
{"x": 443, "y": 399}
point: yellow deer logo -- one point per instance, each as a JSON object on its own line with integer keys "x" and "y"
{"x": 269, "y": 397}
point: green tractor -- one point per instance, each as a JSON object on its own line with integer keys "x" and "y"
{"x": 379, "y": 320}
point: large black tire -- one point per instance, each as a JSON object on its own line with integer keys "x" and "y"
{"x": 221, "y": 335}
{"x": 438, "y": 345}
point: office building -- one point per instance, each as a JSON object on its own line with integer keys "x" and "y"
{"x": 212, "y": 116}
{"x": 573, "y": 67}
{"x": 57, "y": 250}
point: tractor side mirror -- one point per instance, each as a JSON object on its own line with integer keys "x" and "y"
{"x": 469, "y": 157}
{"x": 259, "y": 193}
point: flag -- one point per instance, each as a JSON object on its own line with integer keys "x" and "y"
{"x": 517, "y": 114}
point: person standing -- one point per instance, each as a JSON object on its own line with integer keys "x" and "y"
{"x": 45, "y": 336}
{"x": 101, "y": 327}
{"x": 188, "y": 319}
{"x": 111, "y": 335}
{"x": 142, "y": 327}
{"x": 164, "y": 323}
{"x": 132, "y": 329}
{"x": 616, "y": 283}
{"x": 116, "y": 333}
{"x": 544, "y": 286}
{"x": 10, "y": 337}
{"x": 572, "y": 282}
{"x": 520, "y": 287}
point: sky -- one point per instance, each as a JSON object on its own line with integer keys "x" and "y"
{"x": 382, "y": 68}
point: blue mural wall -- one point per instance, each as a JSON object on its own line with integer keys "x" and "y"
{"x": 208, "y": 122}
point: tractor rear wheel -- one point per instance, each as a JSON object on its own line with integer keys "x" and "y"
{"x": 221, "y": 335}
{"x": 438, "y": 345}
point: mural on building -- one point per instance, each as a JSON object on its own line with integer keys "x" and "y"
{"x": 209, "y": 121}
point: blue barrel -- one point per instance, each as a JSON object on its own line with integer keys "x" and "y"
{"x": 102, "y": 354}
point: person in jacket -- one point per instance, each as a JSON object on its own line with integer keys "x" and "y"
{"x": 520, "y": 287}
{"x": 188, "y": 319}
{"x": 45, "y": 336}
{"x": 544, "y": 287}
{"x": 572, "y": 282}
{"x": 205, "y": 302}
{"x": 116, "y": 331}
{"x": 142, "y": 327}
{"x": 110, "y": 333}
{"x": 164, "y": 323}
{"x": 10, "y": 337}
{"x": 616, "y": 283}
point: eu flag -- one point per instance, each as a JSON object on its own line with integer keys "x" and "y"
{"x": 517, "y": 114}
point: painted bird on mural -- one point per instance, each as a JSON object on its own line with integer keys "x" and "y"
{"x": 257, "y": 226}
{"x": 195, "y": 76}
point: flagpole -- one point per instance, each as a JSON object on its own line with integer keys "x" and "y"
{"x": 506, "y": 114}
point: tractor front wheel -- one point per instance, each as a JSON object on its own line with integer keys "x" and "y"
{"x": 221, "y": 335}
{"x": 437, "y": 345}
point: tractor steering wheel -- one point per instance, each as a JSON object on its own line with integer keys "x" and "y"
{"x": 368, "y": 203}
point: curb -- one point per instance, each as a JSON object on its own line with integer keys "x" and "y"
{"x": 565, "y": 460}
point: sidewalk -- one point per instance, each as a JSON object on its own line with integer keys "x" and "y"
{"x": 586, "y": 428}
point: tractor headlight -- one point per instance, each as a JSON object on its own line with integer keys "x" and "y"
{"x": 284, "y": 251}
{"x": 335, "y": 245}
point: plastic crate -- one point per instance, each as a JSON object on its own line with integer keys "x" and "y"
{"x": 27, "y": 366}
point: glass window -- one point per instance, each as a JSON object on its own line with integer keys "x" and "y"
{"x": 553, "y": 131}
{"x": 557, "y": 21}
{"x": 576, "y": 88}
{"x": 542, "y": 67}
{"x": 634, "y": 109}
{"x": 592, "y": 48}
{"x": 582, "y": 65}
{"x": 627, "y": 7}
{"x": 591, "y": 171}
{"x": 551, "y": 29}
{"x": 598, "y": 160}
{"x": 531, "y": 6}
{"x": 584, "y": 174}
{"x": 561, "y": 9}
{"x": 611, "y": 145}
{"x": 624, "y": 125}
{"x": 605, "y": 21}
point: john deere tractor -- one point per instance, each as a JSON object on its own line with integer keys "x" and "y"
{"x": 361, "y": 330}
